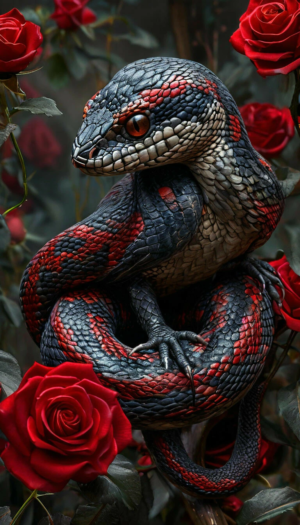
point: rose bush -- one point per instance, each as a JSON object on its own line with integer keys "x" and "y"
{"x": 290, "y": 309}
{"x": 269, "y": 128}
{"x": 269, "y": 34}
{"x": 19, "y": 42}
{"x": 71, "y": 14}
{"x": 61, "y": 424}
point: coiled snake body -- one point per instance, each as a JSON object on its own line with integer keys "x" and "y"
{"x": 141, "y": 270}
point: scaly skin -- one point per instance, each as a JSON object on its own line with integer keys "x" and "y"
{"x": 205, "y": 201}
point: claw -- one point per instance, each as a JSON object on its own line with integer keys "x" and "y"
{"x": 201, "y": 340}
{"x": 188, "y": 373}
{"x": 166, "y": 363}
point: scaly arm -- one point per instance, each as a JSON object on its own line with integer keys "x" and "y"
{"x": 161, "y": 336}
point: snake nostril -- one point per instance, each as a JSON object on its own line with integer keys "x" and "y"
{"x": 94, "y": 152}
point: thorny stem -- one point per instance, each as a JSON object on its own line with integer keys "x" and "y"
{"x": 18, "y": 151}
{"x": 21, "y": 160}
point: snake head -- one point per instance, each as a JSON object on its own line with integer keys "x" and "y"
{"x": 153, "y": 111}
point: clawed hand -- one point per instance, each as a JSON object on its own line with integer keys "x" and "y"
{"x": 166, "y": 339}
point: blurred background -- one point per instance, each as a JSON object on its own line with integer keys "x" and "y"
{"x": 73, "y": 68}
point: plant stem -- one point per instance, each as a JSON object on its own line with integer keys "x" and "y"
{"x": 46, "y": 510}
{"x": 21, "y": 160}
{"x": 24, "y": 506}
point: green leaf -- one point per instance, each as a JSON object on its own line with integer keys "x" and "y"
{"x": 39, "y": 106}
{"x": 90, "y": 515}
{"x": 274, "y": 432}
{"x": 57, "y": 519}
{"x": 57, "y": 70}
{"x": 88, "y": 31}
{"x": 31, "y": 15}
{"x": 4, "y": 235}
{"x": 267, "y": 504}
{"x": 294, "y": 238}
{"x": 10, "y": 374}
{"x": 289, "y": 404}
{"x": 11, "y": 310}
{"x": 140, "y": 37}
{"x": 77, "y": 63}
{"x": 116, "y": 513}
{"x": 122, "y": 483}
{"x": 161, "y": 493}
{"x": 5, "y": 516}
{"x": 4, "y": 133}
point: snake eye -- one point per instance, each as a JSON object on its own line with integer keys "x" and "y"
{"x": 137, "y": 125}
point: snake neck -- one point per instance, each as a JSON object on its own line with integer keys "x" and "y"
{"x": 237, "y": 183}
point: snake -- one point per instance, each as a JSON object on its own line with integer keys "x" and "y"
{"x": 157, "y": 288}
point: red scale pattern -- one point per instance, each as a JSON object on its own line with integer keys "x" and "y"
{"x": 235, "y": 128}
{"x": 151, "y": 98}
{"x": 95, "y": 240}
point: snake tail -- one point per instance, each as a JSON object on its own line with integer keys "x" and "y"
{"x": 173, "y": 461}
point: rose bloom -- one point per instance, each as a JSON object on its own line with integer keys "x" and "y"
{"x": 269, "y": 128}
{"x": 232, "y": 504}
{"x": 145, "y": 460}
{"x": 290, "y": 309}
{"x": 19, "y": 42}
{"x": 61, "y": 424}
{"x": 38, "y": 143}
{"x": 269, "y": 34}
{"x": 71, "y": 14}
{"x": 15, "y": 225}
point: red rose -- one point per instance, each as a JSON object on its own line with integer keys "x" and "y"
{"x": 269, "y": 34}
{"x": 232, "y": 504}
{"x": 38, "y": 143}
{"x": 61, "y": 424}
{"x": 145, "y": 460}
{"x": 19, "y": 41}
{"x": 71, "y": 14}
{"x": 269, "y": 128}
{"x": 290, "y": 309}
{"x": 15, "y": 225}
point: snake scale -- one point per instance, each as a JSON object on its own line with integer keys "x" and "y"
{"x": 156, "y": 288}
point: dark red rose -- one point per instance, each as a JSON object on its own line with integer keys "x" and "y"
{"x": 145, "y": 460}
{"x": 38, "y": 144}
{"x": 71, "y": 14}
{"x": 15, "y": 225}
{"x": 232, "y": 504}
{"x": 269, "y": 128}
{"x": 269, "y": 34}
{"x": 19, "y": 42}
{"x": 61, "y": 424}
{"x": 290, "y": 309}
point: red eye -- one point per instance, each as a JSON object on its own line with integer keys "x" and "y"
{"x": 137, "y": 125}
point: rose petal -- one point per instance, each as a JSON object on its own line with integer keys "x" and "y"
{"x": 21, "y": 467}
